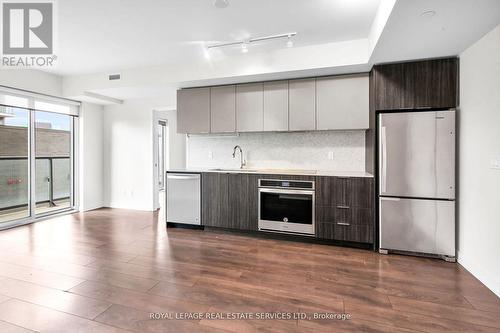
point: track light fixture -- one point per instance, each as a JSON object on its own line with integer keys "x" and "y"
{"x": 245, "y": 43}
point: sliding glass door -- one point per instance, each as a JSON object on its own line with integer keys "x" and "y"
{"x": 14, "y": 163}
{"x": 53, "y": 133}
{"x": 37, "y": 154}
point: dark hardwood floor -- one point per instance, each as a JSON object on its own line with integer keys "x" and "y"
{"x": 107, "y": 270}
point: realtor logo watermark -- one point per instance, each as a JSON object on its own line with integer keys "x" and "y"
{"x": 27, "y": 34}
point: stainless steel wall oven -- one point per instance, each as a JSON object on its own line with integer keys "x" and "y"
{"x": 286, "y": 206}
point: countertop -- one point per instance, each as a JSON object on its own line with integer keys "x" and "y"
{"x": 331, "y": 173}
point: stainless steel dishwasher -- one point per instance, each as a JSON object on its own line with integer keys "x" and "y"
{"x": 184, "y": 198}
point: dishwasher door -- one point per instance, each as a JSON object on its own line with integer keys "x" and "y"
{"x": 184, "y": 198}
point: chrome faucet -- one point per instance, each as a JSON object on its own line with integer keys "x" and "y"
{"x": 242, "y": 161}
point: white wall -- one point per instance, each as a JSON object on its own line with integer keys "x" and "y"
{"x": 295, "y": 150}
{"x": 128, "y": 153}
{"x": 32, "y": 80}
{"x": 479, "y": 133}
{"x": 91, "y": 157}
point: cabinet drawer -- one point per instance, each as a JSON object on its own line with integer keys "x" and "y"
{"x": 343, "y": 215}
{"x": 351, "y": 233}
{"x": 362, "y": 216}
{"x": 354, "y": 233}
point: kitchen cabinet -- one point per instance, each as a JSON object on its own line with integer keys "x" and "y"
{"x": 223, "y": 109}
{"x": 302, "y": 105}
{"x": 343, "y": 205}
{"x": 342, "y": 102}
{"x": 344, "y": 209}
{"x": 229, "y": 200}
{"x": 276, "y": 106}
{"x": 330, "y": 103}
{"x": 214, "y": 200}
{"x": 415, "y": 85}
{"x": 250, "y": 107}
{"x": 193, "y": 110}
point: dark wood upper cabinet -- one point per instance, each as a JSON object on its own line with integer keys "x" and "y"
{"x": 415, "y": 85}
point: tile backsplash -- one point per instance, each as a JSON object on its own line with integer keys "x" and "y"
{"x": 322, "y": 150}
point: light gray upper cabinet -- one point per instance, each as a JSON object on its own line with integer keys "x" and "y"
{"x": 193, "y": 110}
{"x": 276, "y": 106}
{"x": 302, "y": 108}
{"x": 325, "y": 103}
{"x": 223, "y": 109}
{"x": 250, "y": 107}
{"x": 342, "y": 102}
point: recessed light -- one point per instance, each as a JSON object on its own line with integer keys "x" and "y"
{"x": 428, "y": 13}
{"x": 221, "y": 3}
{"x": 206, "y": 53}
{"x": 244, "y": 48}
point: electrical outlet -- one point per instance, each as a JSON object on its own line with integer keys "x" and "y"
{"x": 210, "y": 155}
{"x": 330, "y": 155}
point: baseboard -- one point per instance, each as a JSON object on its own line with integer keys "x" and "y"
{"x": 119, "y": 206}
{"x": 92, "y": 208}
{"x": 483, "y": 274}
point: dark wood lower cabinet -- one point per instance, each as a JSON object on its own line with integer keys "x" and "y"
{"x": 229, "y": 201}
{"x": 214, "y": 200}
{"x": 349, "y": 233}
{"x": 343, "y": 211}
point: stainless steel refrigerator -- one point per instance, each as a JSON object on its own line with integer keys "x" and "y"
{"x": 417, "y": 182}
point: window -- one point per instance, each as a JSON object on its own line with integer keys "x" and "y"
{"x": 37, "y": 154}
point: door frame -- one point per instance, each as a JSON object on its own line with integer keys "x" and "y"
{"x": 157, "y": 117}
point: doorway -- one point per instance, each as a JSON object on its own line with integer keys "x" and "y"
{"x": 162, "y": 153}
{"x": 161, "y": 161}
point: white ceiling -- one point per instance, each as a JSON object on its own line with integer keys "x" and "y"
{"x": 455, "y": 25}
{"x": 157, "y": 46}
{"x": 106, "y": 36}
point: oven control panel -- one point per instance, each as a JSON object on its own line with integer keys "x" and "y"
{"x": 291, "y": 184}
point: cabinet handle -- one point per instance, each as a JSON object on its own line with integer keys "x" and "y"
{"x": 343, "y": 207}
{"x": 343, "y": 223}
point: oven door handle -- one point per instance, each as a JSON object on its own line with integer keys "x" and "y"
{"x": 285, "y": 191}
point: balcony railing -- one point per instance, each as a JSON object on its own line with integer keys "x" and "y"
{"x": 53, "y": 181}
{"x": 6, "y": 111}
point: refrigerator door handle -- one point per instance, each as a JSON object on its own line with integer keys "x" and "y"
{"x": 383, "y": 149}
{"x": 389, "y": 199}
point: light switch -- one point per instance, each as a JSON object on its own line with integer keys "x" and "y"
{"x": 210, "y": 155}
{"x": 330, "y": 155}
